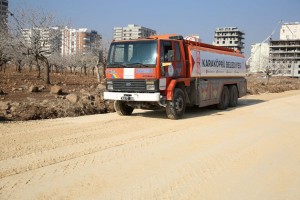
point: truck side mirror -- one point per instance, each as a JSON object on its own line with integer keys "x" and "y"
{"x": 170, "y": 55}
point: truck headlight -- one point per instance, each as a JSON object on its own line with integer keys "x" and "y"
{"x": 150, "y": 85}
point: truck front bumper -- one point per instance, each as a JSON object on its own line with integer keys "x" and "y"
{"x": 124, "y": 96}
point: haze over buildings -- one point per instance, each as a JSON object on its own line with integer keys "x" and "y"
{"x": 256, "y": 18}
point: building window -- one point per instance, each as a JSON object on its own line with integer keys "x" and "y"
{"x": 165, "y": 47}
{"x": 298, "y": 72}
{"x": 223, "y": 42}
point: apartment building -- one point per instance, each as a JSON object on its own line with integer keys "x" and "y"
{"x": 66, "y": 41}
{"x": 131, "y": 32}
{"x": 79, "y": 41}
{"x": 285, "y": 57}
{"x": 229, "y": 37}
{"x": 285, "y": 53}
{"x": 290, "y": 31}
{"x": 3, "y": 12}
{"x": 47, "y": 40}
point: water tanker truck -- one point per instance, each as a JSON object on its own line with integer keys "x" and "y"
{"x": 169, "y": 72}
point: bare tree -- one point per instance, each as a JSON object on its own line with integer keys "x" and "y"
{"x": 34, "y": 31}
{"x": 102, "y": 60}
{"x": 5, "y": 45}
{"x": 33, "y": 39}
{"x": 56, "y": 62}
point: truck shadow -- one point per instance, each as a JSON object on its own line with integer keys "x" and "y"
{"x": 192, "y": 112}
{"x": 3, "y": 119}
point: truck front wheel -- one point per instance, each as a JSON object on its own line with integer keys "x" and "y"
{"x": 122, "y": 108}
{"x": 176, "y": 107}
{"x": 224, "y": 99}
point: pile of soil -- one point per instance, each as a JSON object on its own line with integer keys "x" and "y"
{"x": 259, "y": 84}
{"x": 25, "y": 97}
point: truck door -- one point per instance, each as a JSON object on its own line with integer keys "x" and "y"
{"x": 178, "y": 64}
{"x": 171, "y": 59}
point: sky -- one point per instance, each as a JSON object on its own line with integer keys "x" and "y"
{"x": 256, "y": 18}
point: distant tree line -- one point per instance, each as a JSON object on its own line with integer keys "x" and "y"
{"x": 34, "y": 53}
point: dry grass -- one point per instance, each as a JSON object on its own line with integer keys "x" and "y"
{"x": 258, "y": 84}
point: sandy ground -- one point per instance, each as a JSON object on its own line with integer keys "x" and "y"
{"x": 250, "y": 152}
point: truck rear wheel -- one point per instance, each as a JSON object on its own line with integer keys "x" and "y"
{"x": 224, "y": 99}
{"x": 233, "y": 92}
{"x": 122, "y": 108}
{"x": 176, "y": 108}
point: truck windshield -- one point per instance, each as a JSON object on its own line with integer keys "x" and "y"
{"x": 133, "y": 54}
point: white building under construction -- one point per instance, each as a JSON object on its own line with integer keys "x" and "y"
{"x": 259, "y": 58}
{"x": 132, "y": 31}
{"x": 281, "y": 57}
{"x": 229, "y": 37}
{"x": 290, "y": 31}
{"x": 285, "y": 53}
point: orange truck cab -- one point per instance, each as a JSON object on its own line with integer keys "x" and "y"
{"x": 169, "y": 72}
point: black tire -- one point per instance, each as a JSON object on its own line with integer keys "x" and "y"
{"x": 122, "y": 108}
{"x": 176, "y": 108}
{"x": 234, "y": 95}
{"x": 224, "y": 99}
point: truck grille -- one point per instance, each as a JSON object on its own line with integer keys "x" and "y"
{"x": 129, "y": 85}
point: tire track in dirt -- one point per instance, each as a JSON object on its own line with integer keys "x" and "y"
{"x": 50, "y": 138}
{"x": 202, "y": 157}
{"x": 147, "y": 139}
{"x": 40, "y": 155}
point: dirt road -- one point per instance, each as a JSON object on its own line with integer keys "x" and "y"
{"x": 251, "y": 152}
